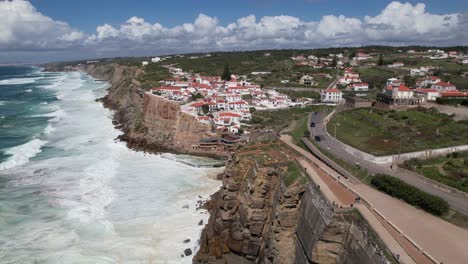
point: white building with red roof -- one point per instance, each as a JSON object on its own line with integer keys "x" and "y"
{"x": 331, "y": 95}
{"x": 428, "y": 94}
{"x": 362, "y": 56}
{"x": 444, "y": 87}
{"x": 399, "y": 92}
{"x": 359, "y": 87}
{"x": 454, "y": 93}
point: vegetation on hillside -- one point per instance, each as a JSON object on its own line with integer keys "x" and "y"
{"x": 451, "y": 170}
{"x": 382, "y": 132}
{"x": 412, "y": 195}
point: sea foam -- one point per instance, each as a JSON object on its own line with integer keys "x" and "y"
{"x": 21, "y": 154}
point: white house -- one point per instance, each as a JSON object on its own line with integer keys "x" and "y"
{"x": 362, "y": 56}
{"x": 331, "y": 95}
{"x": 396, "y": 65}
{"x": 232, "y": 117}
{"x": 399, "y": 92}
{"x": 428, "y": 94}
{"x": 155, "y": 59}
{"x": 144, "y": 63}
{"x": 443, "y": 87}
{"x": 306, "y": 80}
{"x": 415, "y": 72}
{"x": 359, "y": 87}
{"x": 429, "y": 81}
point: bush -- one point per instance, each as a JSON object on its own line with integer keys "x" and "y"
{"x": 412, "y": 195}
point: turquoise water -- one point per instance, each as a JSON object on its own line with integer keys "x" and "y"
{"x": 69, "y": 193}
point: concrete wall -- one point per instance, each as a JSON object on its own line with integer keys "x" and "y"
{"x": 326, "y": 234}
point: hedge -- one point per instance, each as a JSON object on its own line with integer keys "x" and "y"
{"x": 412, "y": 195}
{"x": 452, "y": 101}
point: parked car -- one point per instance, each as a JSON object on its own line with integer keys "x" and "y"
{"x": 317, "y": 138}
{"x": 312, "y": 124}
{"x": 315, "y": 113}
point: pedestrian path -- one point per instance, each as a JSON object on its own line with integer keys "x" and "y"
{"x": 421, "y": 234}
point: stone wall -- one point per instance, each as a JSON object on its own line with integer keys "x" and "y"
{"x": 329, "y": 235}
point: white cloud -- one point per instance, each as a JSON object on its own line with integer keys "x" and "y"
{"x": 24, "y": 28}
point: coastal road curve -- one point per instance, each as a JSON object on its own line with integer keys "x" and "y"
{"x": 457, "y": 202}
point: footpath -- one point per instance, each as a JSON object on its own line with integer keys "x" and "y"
{"x": 415, "y": 235}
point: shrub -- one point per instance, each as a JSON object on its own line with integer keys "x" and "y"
{"x": 412, "y": 195}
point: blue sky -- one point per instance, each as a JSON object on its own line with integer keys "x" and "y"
{"x": 88, "y": 14}
{"x": 49, "y": 30}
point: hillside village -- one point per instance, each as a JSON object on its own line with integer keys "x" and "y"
{"x": 224, "y": 104}
{"x": 228, "y": 103}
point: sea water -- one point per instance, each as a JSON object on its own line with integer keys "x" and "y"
{"x": 71, "y": 193}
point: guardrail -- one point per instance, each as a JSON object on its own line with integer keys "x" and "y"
{"x": 317, "y": 153}
{"x": 371, "y": 207}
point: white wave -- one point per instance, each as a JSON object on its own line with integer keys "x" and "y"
{"x": 28, "y": 90}
{"x": 15, "y": 81}
{"x": 119, "y": 205}
{"x": 22, "y": 153}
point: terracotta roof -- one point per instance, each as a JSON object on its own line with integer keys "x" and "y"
{"x": 229, "y": 114}
{"x": 331, "y": 91}
{"x": 454, "y": 93}
{"x": 197, "y": 104}
{"x": 402, "y": 88}
{"x": 444, "y": 84}
{"x": 427, "y": 90}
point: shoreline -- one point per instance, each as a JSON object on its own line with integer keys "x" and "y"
{"x": 206, "y": 204}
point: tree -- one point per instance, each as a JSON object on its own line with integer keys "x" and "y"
{"x": 205, "y": 109}
{"x": 409, "y": 81}
{"x": 226, "y": 73}
{"x": 197, "y": 96}
{"x": 334, "y": 62}
{"x": 381, "y": 62}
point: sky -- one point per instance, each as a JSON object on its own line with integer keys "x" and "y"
{"x": 53, "y": 30}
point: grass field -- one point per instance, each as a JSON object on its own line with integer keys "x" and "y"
{"x": 282, "y": 118}
{"x": 381, "y": 132}
{"x": 451, "y": 170}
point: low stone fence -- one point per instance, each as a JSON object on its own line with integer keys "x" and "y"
{"x": 436, "y": 184}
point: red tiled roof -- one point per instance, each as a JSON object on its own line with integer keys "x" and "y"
{"x": 402, "y": 88}
{"x": 444, "y": 84}
{"x": 331, "y": 91}
{"x": 454, "y": 93}
{"x": 229, "y": 114}
{"x": 427, "y": 90}
{"x": 197, "y": 104}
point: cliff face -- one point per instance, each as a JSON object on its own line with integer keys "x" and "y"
{"x": 256, "y": 218}
{"x": 170, "y": 127}
{"x": 149, "y": 123}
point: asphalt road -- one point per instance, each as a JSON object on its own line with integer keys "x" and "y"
{"x": 327, "y": 142}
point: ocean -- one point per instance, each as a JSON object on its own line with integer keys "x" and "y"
{"x": 71, "y": 193}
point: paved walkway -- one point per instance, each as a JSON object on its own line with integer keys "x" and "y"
{"x": 335, "y": 192}
{"x": 456, "y": 201}
{"x": 444, "y": 241}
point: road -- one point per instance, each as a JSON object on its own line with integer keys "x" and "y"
{"x": 455, "y": 201}
{"x": 443, "y": 240}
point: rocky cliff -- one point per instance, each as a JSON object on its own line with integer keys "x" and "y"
{"x": 150, "y": 123}
{"x": 257, "y": 218}
{"x": 166, "y": 124}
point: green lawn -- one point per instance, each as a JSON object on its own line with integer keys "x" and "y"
{"x": 293, "y": 174}
{"x": 279, "y": 119}
{"x": 451, "y": 170}
{"x": 381, "y": 132}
